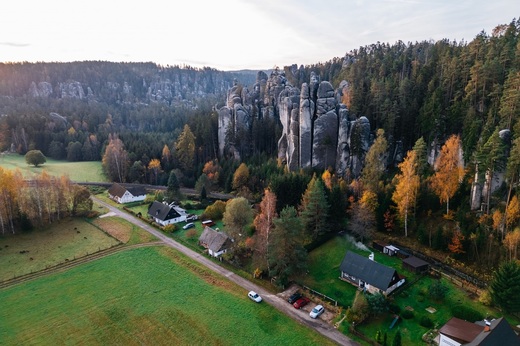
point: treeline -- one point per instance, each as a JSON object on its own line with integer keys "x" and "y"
{"x": 431, "y": 89}
{"x": 39, "y": 201}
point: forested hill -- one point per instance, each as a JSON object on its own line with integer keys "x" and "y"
{"x": 116, "y": 82}
{"x": 431, "y": 89}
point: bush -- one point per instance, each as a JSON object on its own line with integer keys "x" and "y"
{"x": 438, "y": 290}
{"x": 467, "y": 313}
{"x": 170, "y": 228}
{"x": 191, "y": 234}
{"x": 394, "y": 308}
{"x": 426, "y": 322}
{"x": 407, "y": 314}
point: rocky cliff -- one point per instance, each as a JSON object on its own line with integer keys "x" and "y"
{"x": 318, "y": 131}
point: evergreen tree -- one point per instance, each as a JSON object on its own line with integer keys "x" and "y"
{"x": 287, "y": 256}
{"x": 314, "y": 209}
{"x": 505, "y": 287}
{"x": 397, "y": 339}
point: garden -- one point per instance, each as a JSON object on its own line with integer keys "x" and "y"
{"x": 424, "y": 303}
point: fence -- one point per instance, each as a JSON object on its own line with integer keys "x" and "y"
{"x": 321, "y": 295}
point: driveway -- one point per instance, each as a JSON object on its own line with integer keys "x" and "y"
{"x": 301, "y": 316}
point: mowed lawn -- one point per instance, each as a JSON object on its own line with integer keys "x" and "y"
{"x": 89, "y": 171}
{"x": 151, "y": 296}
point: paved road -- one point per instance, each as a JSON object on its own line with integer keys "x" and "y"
{"x": 301, "y": 316}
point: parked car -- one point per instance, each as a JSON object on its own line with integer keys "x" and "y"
{"x": 192, "y": 217}
{"x": 188, "y": 225}
{"x": 318, "y": 310}
{"x": 294, "y": 297}
{"x": 254, "y": 296}
{"x": 301, "y": 302}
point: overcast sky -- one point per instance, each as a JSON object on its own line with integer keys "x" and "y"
{"x": 232, "y": 34}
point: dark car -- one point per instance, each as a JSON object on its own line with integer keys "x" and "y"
{"x": 294, "y": 297}
{"x": 301, "y": 302}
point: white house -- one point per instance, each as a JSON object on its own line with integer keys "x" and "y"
{"x": 166, "y": 214}
{"x": 122, "y": 194}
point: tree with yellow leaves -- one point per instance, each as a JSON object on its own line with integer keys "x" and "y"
{"x": 511, "y": 242}
{"x": 155, "y": 168}
{"x": 448, "y": 171}
{"x": 407, "y": 188}
{"x": 264, "y": 224}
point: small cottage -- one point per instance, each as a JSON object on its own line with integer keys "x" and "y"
{"x": 122, "y": 194}
{"x": 165, "y": 214}
{"x": 369, "y": 275}
{"x": 217, "y": 243}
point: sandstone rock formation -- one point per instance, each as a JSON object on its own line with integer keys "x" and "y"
{"x": 318, "y": 130}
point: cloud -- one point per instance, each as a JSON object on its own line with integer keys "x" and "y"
{"x": 14, "y": 44}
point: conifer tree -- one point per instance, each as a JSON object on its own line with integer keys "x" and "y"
{"x": 314, "y": 209}
{"x": 505, "y": 287}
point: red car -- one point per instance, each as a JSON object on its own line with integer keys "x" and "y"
{"x": 301, "y": 302}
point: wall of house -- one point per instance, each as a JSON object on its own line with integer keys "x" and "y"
{"x": 446, "y": 341}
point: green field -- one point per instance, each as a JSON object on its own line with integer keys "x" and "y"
{"x": 89, "y": 171}
{"x": 151, "y": 296}
{"x": 62, "y": 241}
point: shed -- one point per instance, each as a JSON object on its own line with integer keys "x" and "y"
{"x": 217, "y": 243}
{"x": 390, "y": 250}
{"x": 415, "y": 264}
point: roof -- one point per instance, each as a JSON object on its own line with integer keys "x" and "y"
{"x": 162, "y": 211}
{"x": 460, "y": 330}
{"x": 119, "y": 190}
{"x": 499, "y": 333}
{"x": 415, "y": 262}
{"x": 391, "y": 247}
{"x": 214, "y": 240}
{"x": 369, "y": 271}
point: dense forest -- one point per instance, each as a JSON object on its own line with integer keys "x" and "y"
{"x": 446, "y": 104}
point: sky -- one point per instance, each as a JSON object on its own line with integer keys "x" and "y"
{"x": 233, "y": 34}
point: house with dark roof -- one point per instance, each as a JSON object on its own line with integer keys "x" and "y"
{"x": 165, "y": 214}
{"x": 122, "y": 194}
{"x": 415, "y": 264}
{"x": 369, "y": 275}
{"x": 217, "y": 243}
{"x": 458, "y": 332}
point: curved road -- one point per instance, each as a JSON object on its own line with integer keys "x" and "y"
{"x": 279, "y": 303}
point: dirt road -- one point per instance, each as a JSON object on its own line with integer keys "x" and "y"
{"x": 272, "y": 299}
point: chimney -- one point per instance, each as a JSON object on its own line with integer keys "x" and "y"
{"x": 486, "y": 328}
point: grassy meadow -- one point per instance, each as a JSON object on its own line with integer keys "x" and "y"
{"x": 89, "y": 171}
{"x": 152, "y": 296}
{"x": 63, "y": 241}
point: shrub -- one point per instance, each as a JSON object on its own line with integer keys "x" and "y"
{"x": 426, "y": 322}
{"x": 407, "y": 314}
{"x": 394, "y": 308}
{"x": 485, "y": 298}
{"x": 191, "y": 234}
{"x": 438, "y": 290}
{"x": 466, "y": 313}
{"x": 170, "y": 228}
